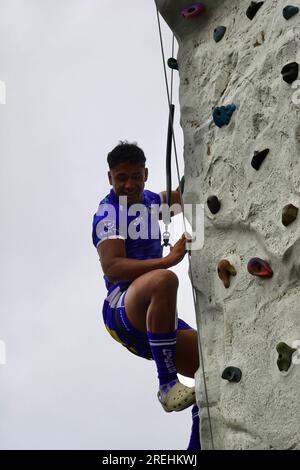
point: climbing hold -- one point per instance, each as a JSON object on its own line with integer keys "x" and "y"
{"x": 214, "y": 204}
{"x": 219, "y": 33}
{"x": 259, "y": 267}
{"x": 290, "y": 72}
{"x": 182, "y": 183}
{"x": 259, "y": 158}
{"x": 253, "y": 9}
{"x": 172, "y": 63}
{"x": 193, "y": 10}
{"x": 289, "y": 214}
{"x": 290, "y": 11}
{"x": 222, "y": 115}
{"x": 225, "y": 271}
{"x": 285, "y": 354}
{"x": 232, "y": 374}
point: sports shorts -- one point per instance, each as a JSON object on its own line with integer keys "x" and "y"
{"x": 120, "y": 328}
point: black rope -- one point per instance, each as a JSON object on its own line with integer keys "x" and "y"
{"x": 197, "y": 312}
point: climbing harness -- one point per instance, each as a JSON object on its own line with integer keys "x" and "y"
{"x": 171, "y": 138}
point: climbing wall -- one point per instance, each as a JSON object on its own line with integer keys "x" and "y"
{"x": 240, "y": 114}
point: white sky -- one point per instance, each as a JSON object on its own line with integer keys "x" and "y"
{"x": 80, "y": 75}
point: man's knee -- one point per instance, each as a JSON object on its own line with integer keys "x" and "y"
{"x": 164, "y": 279}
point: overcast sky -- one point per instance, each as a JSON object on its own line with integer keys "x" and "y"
{"x": 80, "y": 75}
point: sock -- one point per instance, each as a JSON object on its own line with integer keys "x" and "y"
{"x": 163, "y": 347}
{"x": 195, "y": 443}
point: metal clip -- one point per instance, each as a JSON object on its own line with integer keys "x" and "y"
{"x": 166, "y": 238}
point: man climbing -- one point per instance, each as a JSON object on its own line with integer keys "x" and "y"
{"x": 140, "y": 308}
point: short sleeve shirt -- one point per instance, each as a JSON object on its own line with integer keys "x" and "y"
{"x": 137, "y": 225}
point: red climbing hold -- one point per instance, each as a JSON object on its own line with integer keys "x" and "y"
{"x": 259, "y": 267}
{"x": 193, "y": 10}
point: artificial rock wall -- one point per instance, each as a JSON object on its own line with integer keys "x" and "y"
{"x": 243, "y": 323}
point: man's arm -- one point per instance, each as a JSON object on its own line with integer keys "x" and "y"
{"x": 117, "y": 267}
{"x": 175, "y": 197}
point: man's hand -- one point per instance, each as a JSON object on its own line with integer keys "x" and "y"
{"x": 178, "y": 251}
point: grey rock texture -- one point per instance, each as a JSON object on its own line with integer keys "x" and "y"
{"x": 242, "y": 324}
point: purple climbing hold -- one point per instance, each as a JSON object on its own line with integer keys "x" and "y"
{"x": 253, "y": 9}
{"x": 222, "y": 115}
{"x": 289, "y": 11}
{"x": 290, "y": 72}
{"x": 259, "y": 267}
{"x": 289, "y": 214}
{"x": 214, "y": 204}
{"x": 258, "y": 158}
{"x": 193, "y": 10}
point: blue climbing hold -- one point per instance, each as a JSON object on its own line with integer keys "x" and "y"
{"x": 219, "y": 33}
{"x": 290, "y": 11}
{"x": 223, "y": 114}
{"x": 253, "y": 9}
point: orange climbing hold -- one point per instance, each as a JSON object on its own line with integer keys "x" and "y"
{"x": 225, "y": 271}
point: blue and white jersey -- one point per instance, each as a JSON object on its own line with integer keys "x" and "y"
{"x": 136, "y": 224}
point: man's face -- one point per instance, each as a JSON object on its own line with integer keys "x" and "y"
{"x": 128, "y": 179}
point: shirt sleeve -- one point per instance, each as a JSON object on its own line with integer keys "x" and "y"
{"x": 105, "y": 224}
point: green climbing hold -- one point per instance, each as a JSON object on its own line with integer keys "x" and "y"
{"x": 285, "y": 354}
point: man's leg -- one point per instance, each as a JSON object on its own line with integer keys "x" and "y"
{"x": 150, "y": 301}
{"x": 187, "y": 354}
{"x": 150, "y": 304}
{"x": 194, "y": 442}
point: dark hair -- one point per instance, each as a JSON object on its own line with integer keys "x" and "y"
{"x": 126, "y": 152}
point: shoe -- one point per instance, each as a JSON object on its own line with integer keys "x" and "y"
{"x": 178, "y": 398}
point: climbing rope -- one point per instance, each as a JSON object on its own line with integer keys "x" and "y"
{"x": 172, "y": 134}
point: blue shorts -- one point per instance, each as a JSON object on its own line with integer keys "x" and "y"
{"x": 120, "y": 328}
